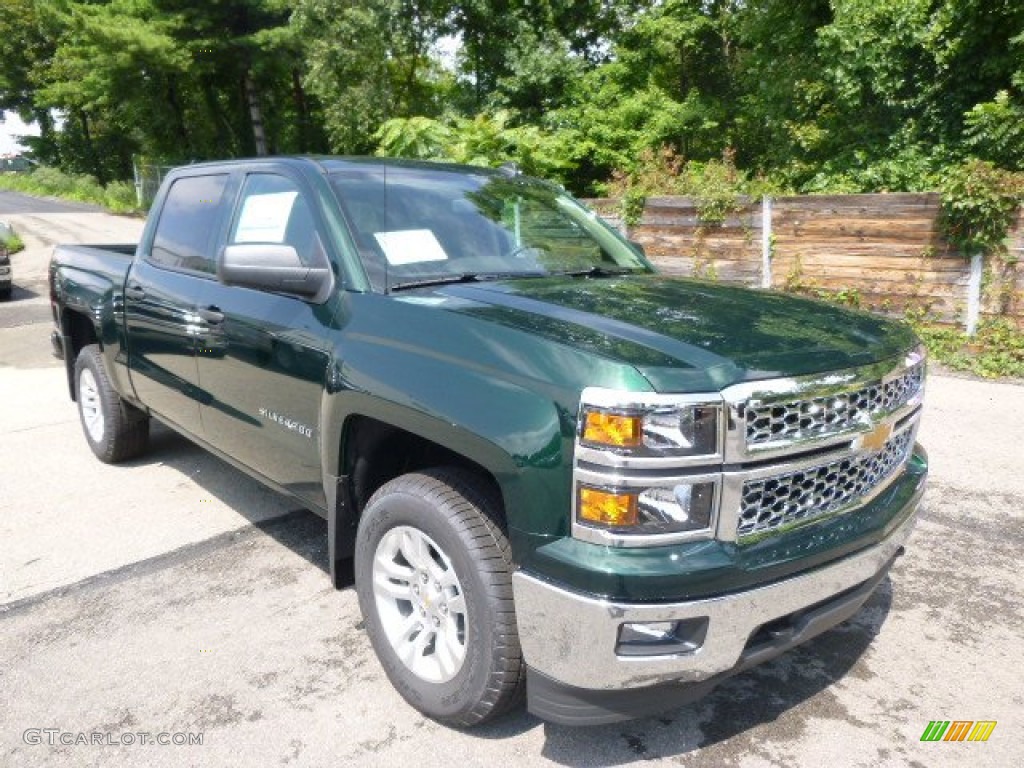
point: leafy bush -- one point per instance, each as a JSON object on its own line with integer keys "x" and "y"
{"x": 118, "y": 196}
{"x": 979, "y": 202}
{"x": 12, "y": 243}
{"x": 995, "y": 129}
{"x": 996, "y": 350}
{"x": 716, "y": 185}
{"x": 901, "y": 168}
{"x": 486, "y": 140}
{"x": 422, "y": 138}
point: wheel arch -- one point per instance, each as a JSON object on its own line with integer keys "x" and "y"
{"x": 78, "y": 331}
{"x": 373, "y": 452}
{"x": 377, "y": 440}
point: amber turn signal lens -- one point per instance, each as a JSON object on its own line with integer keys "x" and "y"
{"x": 612, "y": 429}
{"x": 607, "y": 508}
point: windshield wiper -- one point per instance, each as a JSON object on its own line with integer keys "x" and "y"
{"x": 597, "y": 271}
{"x": 462, "y": 277}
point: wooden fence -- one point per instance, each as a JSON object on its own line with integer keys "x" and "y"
{"x": 884, "y": 252}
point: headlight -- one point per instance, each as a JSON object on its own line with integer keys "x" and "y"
{"x": 690, "y": 431}
{"x": 680, "y": 508}
{"x": 647, "y": 467}
{"x": 656, "y": 430}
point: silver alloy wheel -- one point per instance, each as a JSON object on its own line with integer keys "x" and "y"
{"x": 420, "y": 603}
{"x": 89, "y": 401}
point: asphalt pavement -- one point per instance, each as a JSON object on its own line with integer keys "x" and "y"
{"x": 42, "y": 223}
{"x": 15, "y": 202}
{"x": 173, "y": 597}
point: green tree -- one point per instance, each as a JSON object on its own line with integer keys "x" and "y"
{"x": 368, "y": 61}
{"x": 27, "y": 42}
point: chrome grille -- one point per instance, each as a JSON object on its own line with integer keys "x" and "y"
{"x": 801, "y": 419}
{"x": 774, "y": 502}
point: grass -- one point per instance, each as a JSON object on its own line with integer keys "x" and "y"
{"x": 117, "y": 196}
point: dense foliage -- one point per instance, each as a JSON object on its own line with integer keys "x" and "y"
{"x": 843, "y": 95}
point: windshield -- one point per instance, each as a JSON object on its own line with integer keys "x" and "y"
{"x": 416, "y": 226}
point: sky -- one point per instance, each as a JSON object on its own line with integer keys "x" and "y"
{"x": 10, "y": 127}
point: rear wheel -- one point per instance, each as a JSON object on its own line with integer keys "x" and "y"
{"x": 434, "y": 578}
{"x": 114, "y": 429}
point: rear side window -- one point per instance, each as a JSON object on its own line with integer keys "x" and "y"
{"x": 188, "y": 224}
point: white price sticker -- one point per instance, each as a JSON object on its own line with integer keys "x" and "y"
{"x": 410, "y": 246}
{"x": 264, "y": 218}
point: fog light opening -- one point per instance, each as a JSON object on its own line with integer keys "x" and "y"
{"x": 659, "y": 638}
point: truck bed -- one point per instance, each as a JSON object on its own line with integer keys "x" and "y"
{"x": 121, "y": 250}
{"x": 98, "y": 269}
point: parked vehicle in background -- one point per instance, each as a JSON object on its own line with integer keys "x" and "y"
{"x": 547, "y": 467}
{"x": 6, "y": 273}
{"x": 6, "y": 276}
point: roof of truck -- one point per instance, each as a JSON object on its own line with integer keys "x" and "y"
{"x": 335, "y": 163}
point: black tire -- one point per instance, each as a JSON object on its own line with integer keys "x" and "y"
{"x": 461, "y": 514}
{"x": 123, "y": 430}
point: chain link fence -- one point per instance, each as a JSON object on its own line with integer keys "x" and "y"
{"x": 148, "y": 177}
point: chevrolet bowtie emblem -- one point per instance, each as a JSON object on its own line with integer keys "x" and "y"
{"x": 876, "y": 439}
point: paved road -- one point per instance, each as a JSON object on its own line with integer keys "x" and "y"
{"x": 14, "y": 202}
{"x": 41, "y": 224}
{"x": 175, "y": 595}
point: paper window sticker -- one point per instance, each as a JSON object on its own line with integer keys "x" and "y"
{"x": 264, "y": 218}
{"x": 410, "y": 246}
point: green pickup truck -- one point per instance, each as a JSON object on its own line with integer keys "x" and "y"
{"x": 548, "y": 469}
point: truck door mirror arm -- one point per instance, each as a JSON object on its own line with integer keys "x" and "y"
{"x": 272, "y": 267}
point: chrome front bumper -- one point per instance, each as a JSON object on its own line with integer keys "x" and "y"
{"x": 571, "y": 638}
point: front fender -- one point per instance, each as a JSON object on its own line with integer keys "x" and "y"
{"x": 522, "y": 438}
{"x": 500, "y": 395}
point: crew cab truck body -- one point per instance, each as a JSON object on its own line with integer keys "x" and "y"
{"x": 545, "y": 465}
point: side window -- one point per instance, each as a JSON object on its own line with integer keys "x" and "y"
{"x": 273, "y": 210}
{"x": 188, "y": 224}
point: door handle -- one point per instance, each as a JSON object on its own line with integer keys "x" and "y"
{"x": 135, "y": 291}
{"x": 212, "y": 315}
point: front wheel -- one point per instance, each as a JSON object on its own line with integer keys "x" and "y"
{"x": 114, "y": 429}
{"x": 434, "y": 578}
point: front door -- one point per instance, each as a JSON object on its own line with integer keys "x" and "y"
{"x": 264, "y": 357}
{"x": 163, "y": 292}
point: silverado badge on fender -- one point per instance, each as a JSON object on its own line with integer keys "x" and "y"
{"x": 284, "y": 421}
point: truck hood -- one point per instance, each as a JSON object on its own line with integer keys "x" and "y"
{"x": 683, "y": 335}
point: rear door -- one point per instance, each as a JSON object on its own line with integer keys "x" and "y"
{"x": 163, "y": 292}
{"x": 263, "y": 366}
